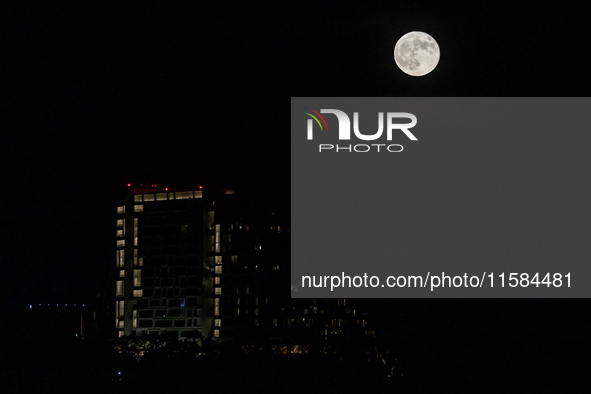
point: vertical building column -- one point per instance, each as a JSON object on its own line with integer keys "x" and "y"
{"x": 128, "y": 280}
{"x": 208, "y": 273}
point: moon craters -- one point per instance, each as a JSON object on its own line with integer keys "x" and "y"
{"x": 416, "y": 53}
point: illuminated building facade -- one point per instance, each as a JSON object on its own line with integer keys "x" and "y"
{"x": 195, "y": 263}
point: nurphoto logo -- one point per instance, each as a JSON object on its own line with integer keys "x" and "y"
{"x": 344, "y": 132}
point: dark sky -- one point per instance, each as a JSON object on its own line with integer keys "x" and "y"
{"x": 488, "y": 48}
{"x": 97, "y": 95}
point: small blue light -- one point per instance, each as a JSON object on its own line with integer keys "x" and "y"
{"x": 30, "y": 306}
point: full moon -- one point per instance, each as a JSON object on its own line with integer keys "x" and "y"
{"x": 416, "y": 53}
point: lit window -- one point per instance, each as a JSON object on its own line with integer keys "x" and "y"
{"x": 218, "y": 290}
{"x": 216, "y": 333}
{"x": 148, "y": 197}
{"x": 218, "y": 269}
{"x": 218, "y": 259}
{"x": 161, "y": 196}
{"x": 135, "y": 257}
{"x": 121, "y": 324}
{"x": 275, "y": 322}
{"x": 137, "y": 198}
{"x": 138, "y": 293}
{"x": 135, "y": 231}
{"x": 218, "y": 322}
{"x": 135, "y": 319}
{"x": 238, "y": 301}
{"x": 137, "y": 278}
{"x": 256, "y": 311}
{"x": 120, "y": 308}
{"x": 234, "y": 259}
{"x": 121, "y": 209}
{"x": 120, "y": 243}
{"x": 198, "y": 193}
{"x": 120, "y": 258}
{"x": 217, "y": 238}
{"x": 230, "y": 192}
{"x": 216, "y": 310}
{"x": 183, "y": 195}
{"x": 217, "y": 281}
{"x": 138, "y": 208}
{"x": 119, "y": 288}
{"x": 121, "y": 273}
{"x": 120, "y": 222}
{"x": 119, "y": 233}
{"x": 141, "y": 261}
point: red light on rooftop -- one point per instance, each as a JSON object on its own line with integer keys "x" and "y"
{"x": 200, "y": 187}
{"x": 129, "y": 184}
{"x": 166, "y": 188}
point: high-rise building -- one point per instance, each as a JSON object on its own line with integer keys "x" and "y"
{"x": 197, "y": 263}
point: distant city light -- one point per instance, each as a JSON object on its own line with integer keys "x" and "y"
{"x": 200, "y": 187}
{"x": 30, "y": 306}
{"x": 166, "y": 188}
{"x": 129, "y": 184}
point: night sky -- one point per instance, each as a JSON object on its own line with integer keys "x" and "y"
{"x": 97, "y": 95}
